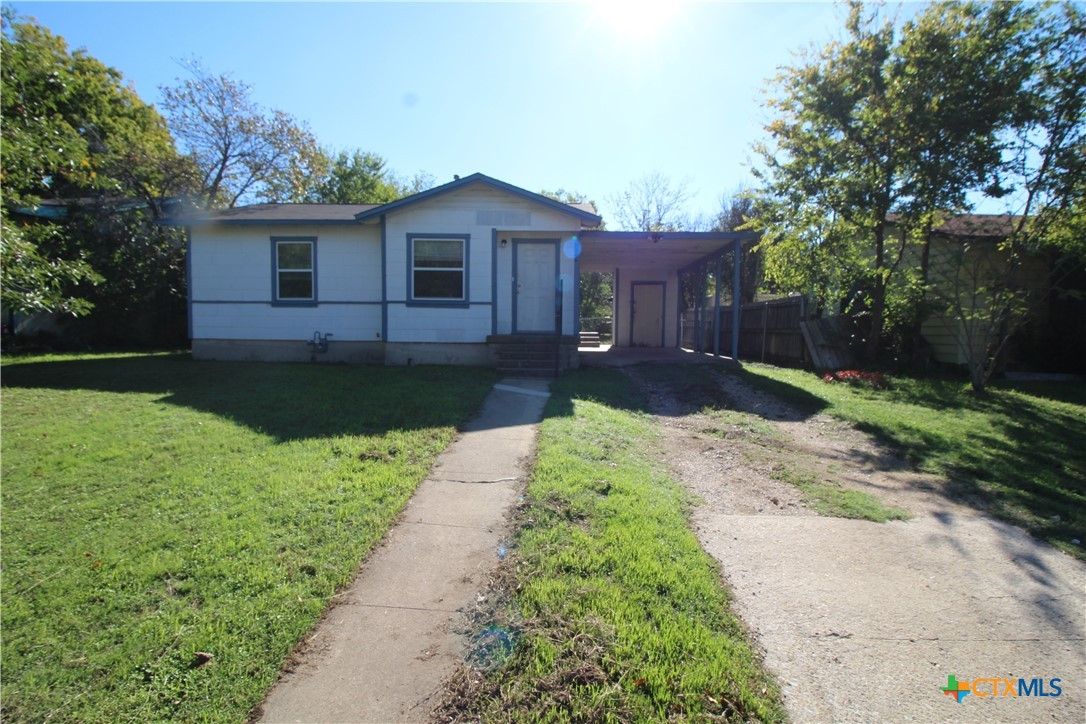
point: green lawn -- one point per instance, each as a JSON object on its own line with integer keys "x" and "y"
{"x": 157, "y": 509}
{"x": 620, "y": 614}
{"x": 1019, "y": 450}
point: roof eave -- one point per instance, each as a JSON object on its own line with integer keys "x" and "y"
{"x": 257, "y": 222}
{"x": 671, "y": 235}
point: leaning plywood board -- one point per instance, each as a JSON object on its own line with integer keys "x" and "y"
{"x": 827, "y": 342}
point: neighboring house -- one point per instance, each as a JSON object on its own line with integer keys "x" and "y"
{"x": 465, "y": 273}
{"x": 966, "y": 259}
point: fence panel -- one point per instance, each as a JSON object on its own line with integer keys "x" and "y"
{"x": 768, "y": 331}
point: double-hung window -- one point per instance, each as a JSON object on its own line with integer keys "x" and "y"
{"x": 295, "y": 269}
{"x": 438, "y": 268}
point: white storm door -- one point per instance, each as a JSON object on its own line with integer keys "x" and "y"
{"x": 534, "y": 284}
{"x": 648, "y": 315}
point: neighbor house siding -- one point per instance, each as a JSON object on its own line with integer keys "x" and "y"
{"x": 232, "y": 279}
{"x": 966, "y": 278}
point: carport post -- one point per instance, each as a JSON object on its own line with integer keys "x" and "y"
{"x": 697, "y": 310}
{"x": 716, "y": 306}
{"x": 704, "y": 271}
{"x": 735, "y": 299}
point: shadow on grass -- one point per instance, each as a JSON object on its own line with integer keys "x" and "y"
{"x": 697, "y": 387}
{"x": 1016, "y": 452}
{"x": 285, "y": 401}
{"x": 608, "y": 387}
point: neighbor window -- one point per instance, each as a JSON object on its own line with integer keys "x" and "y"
{"x": 294, "y": 277}
{"x": 438, "y": 269}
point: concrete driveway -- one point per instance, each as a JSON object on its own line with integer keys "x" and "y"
{"x": 864, "y": 621}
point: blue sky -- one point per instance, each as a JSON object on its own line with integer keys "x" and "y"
{"x": 542, "y": 95}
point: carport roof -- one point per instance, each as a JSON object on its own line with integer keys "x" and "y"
{"x": 673, "y": 250}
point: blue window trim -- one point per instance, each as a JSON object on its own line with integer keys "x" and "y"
{"x": 384, "y": 279}
{"x": 493, "y": 281}
{"x": 557, "y": 272}
{"x": 275, "y": 300}
{"x": 576, "y": 294}
{"x": 663, "y": 307}
{"x": 464, "y": 301}
{"x": 188, "y": 276}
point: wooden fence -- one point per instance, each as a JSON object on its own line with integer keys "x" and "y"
{"x": 768, "y": 331}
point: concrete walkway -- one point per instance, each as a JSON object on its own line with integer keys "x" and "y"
{"x": 382, "y": 651}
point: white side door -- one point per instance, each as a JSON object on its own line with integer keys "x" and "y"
{"x": 648, "y": 315}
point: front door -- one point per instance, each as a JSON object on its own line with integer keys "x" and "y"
{"x": 647, "y": 314}
{"x": 534, "y": 284}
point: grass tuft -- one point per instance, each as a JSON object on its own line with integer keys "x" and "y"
{"x": 837, "y": 502}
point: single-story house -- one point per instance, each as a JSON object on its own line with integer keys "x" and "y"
{"x": 476, "y": 271}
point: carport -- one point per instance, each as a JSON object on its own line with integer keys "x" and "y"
{"x": 654, "y": 272}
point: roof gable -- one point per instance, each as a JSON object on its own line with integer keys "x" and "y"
{"x": 576, "y": 210}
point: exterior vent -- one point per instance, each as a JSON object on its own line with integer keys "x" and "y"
{"x": 503, "y": 218}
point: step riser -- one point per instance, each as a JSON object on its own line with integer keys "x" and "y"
{"x": 531, "y": 356}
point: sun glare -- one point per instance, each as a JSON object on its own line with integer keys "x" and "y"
{"x": 634, "y": 19}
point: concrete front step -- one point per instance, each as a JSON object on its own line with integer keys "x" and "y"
{"x": 529, "y": 339}
{"x": 590, "y": 339}
{"x": 526, "y": 372}
{"x": 532, "y": 354}
{"x": 525, "y": 356}
{"x": 526, "y": 364}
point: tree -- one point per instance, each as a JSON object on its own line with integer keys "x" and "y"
{"x": 71, "y": 127}
{"x": 71, "y": 131}
{"x": 359, "y": 177}
{"x": 243, "y": 151}
{"x": 1043, "y": 179}
{"x": 738, "y": 211}
{"x": 417, "y": 183}
{"x": 871, "y": 126}
{"x": 34, "y": 282}
{"x": 653, "y": 203}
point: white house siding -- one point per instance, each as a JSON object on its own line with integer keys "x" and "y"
{"x": 454, "y": 325}
{"x": 624, "y": 288}
{"x": 458, "y": 212}
{"x": 347, "y": 322}
{"x": 231, "y": 278}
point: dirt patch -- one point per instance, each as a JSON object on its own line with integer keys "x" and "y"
{"x": 741, "y": 449}
{"x": 865, "y": 621}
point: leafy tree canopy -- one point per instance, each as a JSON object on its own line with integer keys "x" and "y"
{"x": 71, "y": 127}
{"x": 243, "y": 151}
{"x": 883, "y": 123}
{"x": 71, "y": 130}
{"x": 362, "y": 177}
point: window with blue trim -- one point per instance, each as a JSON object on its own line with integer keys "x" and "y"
{"x": 295, "y": 275}
{"x": 438, "y": 269}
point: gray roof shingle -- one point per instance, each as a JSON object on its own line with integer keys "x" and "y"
{"x": 283, "y": 214}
